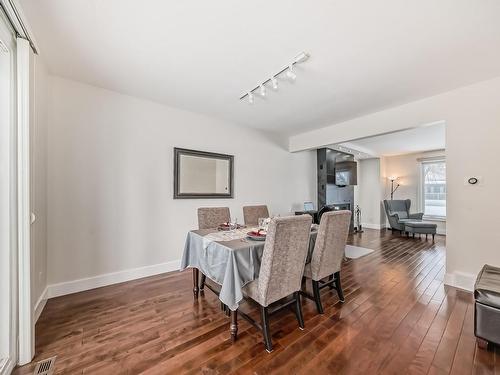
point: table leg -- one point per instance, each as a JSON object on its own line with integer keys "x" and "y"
{"x": 234, "y": 325}
{"x": 195, "y": 282}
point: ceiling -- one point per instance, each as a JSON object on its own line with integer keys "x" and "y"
{"x": 420, "y": 139}
{"x": 202, "y": 55}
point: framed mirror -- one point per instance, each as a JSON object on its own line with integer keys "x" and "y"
{"x": 200, "y": 174}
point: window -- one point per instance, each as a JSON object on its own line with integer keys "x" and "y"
{"x": 433, "y": 189}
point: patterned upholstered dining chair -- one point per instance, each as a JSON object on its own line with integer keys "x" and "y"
{"x": 211, "y": 217}
{"x": 281, "y": 270}
{"x": 251, "y": 214}
{"x": 327, "y": 255}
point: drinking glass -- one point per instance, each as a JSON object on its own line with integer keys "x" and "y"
{"x": 234, "y": 224}
{"x": 261, "y": 222}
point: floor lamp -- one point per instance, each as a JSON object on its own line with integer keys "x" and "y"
{"x": 393, "y": 189}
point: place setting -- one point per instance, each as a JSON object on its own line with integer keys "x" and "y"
{"x": 260, "y": 233}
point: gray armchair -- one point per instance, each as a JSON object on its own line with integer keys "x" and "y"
{"x": 398, "y": 212}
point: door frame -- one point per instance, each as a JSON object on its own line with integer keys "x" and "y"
{"x": 23, "y": 316}
{"x": 8, "y": 218}
{"x": 26, "y": 316}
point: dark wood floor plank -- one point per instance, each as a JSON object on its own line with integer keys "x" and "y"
{"x": 408, "y": 348}
{"x": 464, "y": 355}
{"x": 398, "y": 318}
{"x": 396, "y": 327}
{"x": 364, "y": 336}
{"x": 445, "y": 353}
{"x": 368, "y": 335}
{"x": 423, "y": 358}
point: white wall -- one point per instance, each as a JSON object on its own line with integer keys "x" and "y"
{"x": 407, "y": 168}
{"x": 369, "y": 192}
{"x": 38, "y": 180}
{"x": 110, "y": 184}
{"x": 472, "y": 116}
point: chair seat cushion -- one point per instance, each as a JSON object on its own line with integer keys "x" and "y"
{"x": 252, "y": 290}
{"x": 487, "y": 288}
{"x": 420, "y": 224}
{"x": 402, "y": 214}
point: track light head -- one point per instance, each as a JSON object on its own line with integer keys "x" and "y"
{"x": 274, "y": 82}
{"x": 250, "y": 98}
{"x": 290, "y": 74}
{"x": 301, "y": 57}
{"x": 262, "y": 90}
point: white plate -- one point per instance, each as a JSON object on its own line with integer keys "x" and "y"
{"x": 256, "y": 238}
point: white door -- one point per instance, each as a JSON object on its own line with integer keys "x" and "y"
{"x": 8, "y": 198}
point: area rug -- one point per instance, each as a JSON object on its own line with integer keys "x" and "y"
{"x": 354, "y": 252}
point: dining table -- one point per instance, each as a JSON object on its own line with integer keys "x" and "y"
{"x": 230, "y": 259}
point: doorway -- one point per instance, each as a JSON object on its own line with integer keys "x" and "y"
{"x": 409, "y": 164}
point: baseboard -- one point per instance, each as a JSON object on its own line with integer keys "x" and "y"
{"x": 74, "y": 286}
{"x": 372, "y": 226}
{"x": 7, "y": 366}
{"x": 40, "y": 304}
{"x": 460, "y": 280}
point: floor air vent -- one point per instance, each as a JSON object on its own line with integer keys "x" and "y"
{"x": 45, "y": 367}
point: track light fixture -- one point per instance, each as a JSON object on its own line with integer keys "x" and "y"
{"x": 288, "y": 71}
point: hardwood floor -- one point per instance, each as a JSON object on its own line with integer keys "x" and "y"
{"x": 398, "y": 318}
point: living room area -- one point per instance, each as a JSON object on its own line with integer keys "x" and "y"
{"x": 401, "y": 181}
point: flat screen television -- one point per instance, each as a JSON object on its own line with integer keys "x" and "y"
{"x": 346, "y": 173}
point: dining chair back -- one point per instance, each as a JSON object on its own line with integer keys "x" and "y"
{"x": 284, "y": 257}
{"x": 330, "y": 244}
{"x": 212, "y": 217}
{"x": 281, "y": 270}
{"x": 252, "y": 214}
{"x": 327, "y": 255}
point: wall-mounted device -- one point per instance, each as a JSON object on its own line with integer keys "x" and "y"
{"x": 472, "y": 180}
